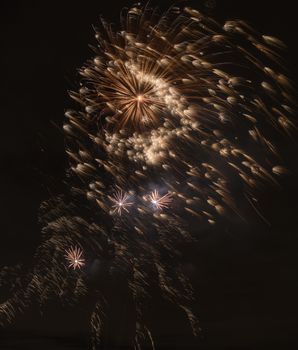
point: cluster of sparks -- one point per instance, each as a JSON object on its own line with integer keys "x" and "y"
{"x": 74, "y": 256}
{"x": 160, "y": 202}
{"x": 175, "y": 100}
{"x": 122, "y": 201}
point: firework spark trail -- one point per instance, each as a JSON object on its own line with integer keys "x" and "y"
{"x": 175, "y": 102}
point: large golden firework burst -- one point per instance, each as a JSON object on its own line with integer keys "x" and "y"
{"x": 177, "y": 94}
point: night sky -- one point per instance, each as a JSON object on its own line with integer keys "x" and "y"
{"x": 245, "y": 277}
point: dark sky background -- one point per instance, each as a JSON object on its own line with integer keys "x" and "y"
{"x": 246, "y": 279}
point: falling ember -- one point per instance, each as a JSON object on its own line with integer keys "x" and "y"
{"x": 160, "y": 202}
{"x": 74, "y": 258}
{"x": 121, "y": 202}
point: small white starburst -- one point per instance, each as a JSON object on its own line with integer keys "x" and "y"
{"x": 121, "y": 202}
{"x": 74, "y": 257}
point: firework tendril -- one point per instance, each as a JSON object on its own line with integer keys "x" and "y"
{"x": 175, "y": 130}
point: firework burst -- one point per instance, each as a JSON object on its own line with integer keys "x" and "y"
{"x": 172, "y": 112}
{"x": 74, "y": 257}
{"x": 121, "y": 202}
{"x": 160, "y": 202}
{"x": 174, "y": 99}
